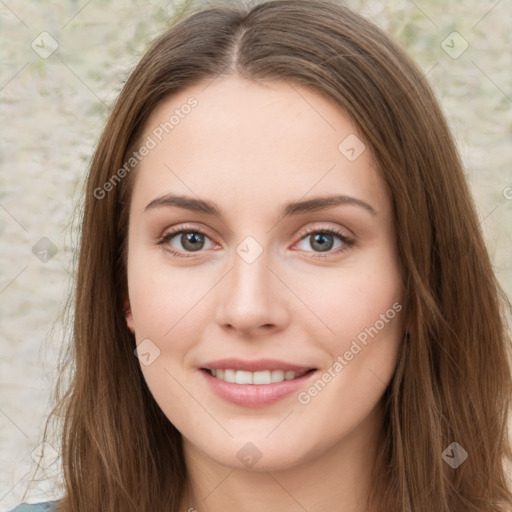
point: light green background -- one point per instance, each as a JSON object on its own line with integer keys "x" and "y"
{"x": 52, "y": 112}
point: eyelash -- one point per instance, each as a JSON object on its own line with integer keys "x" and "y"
{"x": 347, "y": 241}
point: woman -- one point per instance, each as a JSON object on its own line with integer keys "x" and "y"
{"x": 338, "y": 341}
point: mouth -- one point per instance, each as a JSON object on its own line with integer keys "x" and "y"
{"x": 257, "y": 378}
{"x": 255, "y": 383}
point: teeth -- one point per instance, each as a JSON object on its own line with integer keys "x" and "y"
{"x": 243, "y": 377}
{"x": 229, "y": 375}
{"x": 263, "y": 377}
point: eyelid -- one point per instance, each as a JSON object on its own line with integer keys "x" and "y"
{"x": 305, "y": 231}
{"x": 326, "y": 228}
{"x": 169, "y": 233}
{"x": 186, "y": 227}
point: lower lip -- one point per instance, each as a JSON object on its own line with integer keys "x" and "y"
{"x": 254, "y": 395}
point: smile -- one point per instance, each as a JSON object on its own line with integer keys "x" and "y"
{"x": 258, "y": 388}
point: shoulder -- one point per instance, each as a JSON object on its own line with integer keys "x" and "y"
{"x": 47, "y": 506}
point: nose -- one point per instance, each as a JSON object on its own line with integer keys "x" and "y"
{"x": 254, "y": 300}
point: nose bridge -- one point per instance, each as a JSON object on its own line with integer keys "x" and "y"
{"x": 250, "y": 277}
{"x": 251, "y": 297}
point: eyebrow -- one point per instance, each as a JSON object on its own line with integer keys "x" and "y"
{"x": 289, "y": 209}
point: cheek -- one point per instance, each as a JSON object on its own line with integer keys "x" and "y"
{"x": 166, "y": 306}
{"x": 347, "y": 300}
{"x": 363, "y": 310}
{"x": 162, "y": 296}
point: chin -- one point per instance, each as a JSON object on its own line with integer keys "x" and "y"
{"x": 258, "y": 456}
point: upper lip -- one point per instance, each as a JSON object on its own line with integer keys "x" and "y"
{"x": 254, "y": 366}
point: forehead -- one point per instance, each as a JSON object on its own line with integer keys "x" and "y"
{"x": 255, "y": 142}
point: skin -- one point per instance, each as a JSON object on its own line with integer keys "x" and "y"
{"x": 251, "y": 147}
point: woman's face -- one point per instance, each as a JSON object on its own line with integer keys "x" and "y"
{"x": 252, "y": 273}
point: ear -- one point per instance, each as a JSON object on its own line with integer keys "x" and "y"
{"x": 128, "y": 315}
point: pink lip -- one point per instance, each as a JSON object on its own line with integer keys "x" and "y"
{"x": 254, "y": 395}
{"x": 254, "y": 366}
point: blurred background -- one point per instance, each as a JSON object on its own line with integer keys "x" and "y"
{"x": 63, "y": 64}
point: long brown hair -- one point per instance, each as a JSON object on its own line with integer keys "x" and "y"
{"x": 453, "y": 378}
